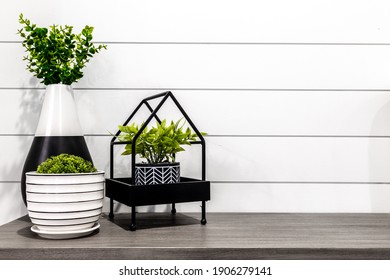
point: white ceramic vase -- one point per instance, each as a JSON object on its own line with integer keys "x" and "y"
{"x": 58, "y": 131}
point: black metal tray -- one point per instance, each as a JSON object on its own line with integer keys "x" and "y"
{"x": 187, "y": 190}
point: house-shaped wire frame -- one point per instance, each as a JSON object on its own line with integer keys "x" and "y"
{"x": 125, "y": 191}
{"x": 164, "y": 96}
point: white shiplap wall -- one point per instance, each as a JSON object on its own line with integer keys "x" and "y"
{"x": 295, "y": 95}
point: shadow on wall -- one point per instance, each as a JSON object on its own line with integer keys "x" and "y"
{"x": 11, "y": 203}
{"x": 379, "y": 161}
{"x": 19, "y": 141}
{"x": 30, "y": 107}
{"x": 12, "y": 206}
{"x": 14, "y": 155}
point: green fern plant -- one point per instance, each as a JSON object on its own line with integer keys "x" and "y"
{"x": 57, "y": 55}
{"x": 158, "y": 144}
{"x": 65, "y": 163}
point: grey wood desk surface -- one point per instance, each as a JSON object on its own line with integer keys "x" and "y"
{"x": 226, "y": 236}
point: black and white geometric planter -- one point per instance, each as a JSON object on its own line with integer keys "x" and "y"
{"x": 161, "y": 173}
{"x": 58, "y": 131}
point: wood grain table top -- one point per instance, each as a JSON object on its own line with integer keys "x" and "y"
{"x": 226, "y": 236}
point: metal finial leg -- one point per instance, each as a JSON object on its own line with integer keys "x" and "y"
{"x": 203, "y": 221}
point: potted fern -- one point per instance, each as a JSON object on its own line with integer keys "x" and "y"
{"x": 158, "y": 146}
{"x": 56, "y": 56}
{"x": 65, "y": 197}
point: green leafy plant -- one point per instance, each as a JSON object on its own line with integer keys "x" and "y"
{"x": 57, "y": 55}
{"x": 158, "y": 144}
{"x": 65, "y": 163}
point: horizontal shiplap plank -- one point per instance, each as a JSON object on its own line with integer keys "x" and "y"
{"x": 237, "y": 159}
{"x": 221, "y": 67}
{"x": 20, "y": 110}
{"x": 322, "y": 113}
{"x": 238, "y": 197}
{"x": 11, "y": 203}
{"x": 364, "y": 21}
{"x": 310, "y": 198}
{"x": 295, "y": 198}
{"x": 13, "y": 152}
{"x": 295, "y": 159}
{"x": 314, "y": 198}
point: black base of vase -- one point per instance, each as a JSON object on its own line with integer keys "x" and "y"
{"x": 44, "y": 147}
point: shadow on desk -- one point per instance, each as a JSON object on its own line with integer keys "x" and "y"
{"x": 153, "y": 220}
{"x": 27, "y": 232}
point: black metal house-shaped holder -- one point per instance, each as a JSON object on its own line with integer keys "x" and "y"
{"x": 125, "y": 191}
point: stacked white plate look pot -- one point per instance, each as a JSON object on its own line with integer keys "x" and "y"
{"x": 64, "y": 203}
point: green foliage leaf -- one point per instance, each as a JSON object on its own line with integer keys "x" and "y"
{"x": 65, "y": 163}
{"x": 159, "y": 143}
{"x": 55, "y": 54}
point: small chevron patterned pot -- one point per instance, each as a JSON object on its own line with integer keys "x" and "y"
{"x": 161, "y": 173}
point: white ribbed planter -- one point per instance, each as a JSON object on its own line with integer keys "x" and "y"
{"x": 64, "y": 205}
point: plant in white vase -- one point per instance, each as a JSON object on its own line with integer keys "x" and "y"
{"x": 57, "y": 57}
